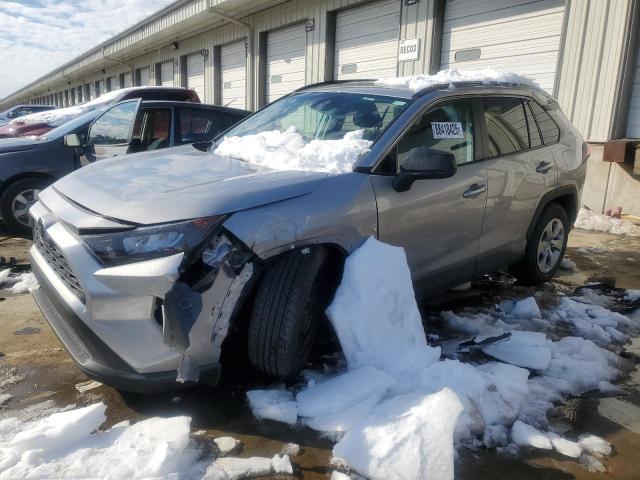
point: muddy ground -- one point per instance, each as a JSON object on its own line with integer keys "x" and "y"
{"x": 34, "y": 367}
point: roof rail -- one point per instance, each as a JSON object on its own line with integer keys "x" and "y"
{"x": 479, "y": 83}
{"x": 332, "y": 82}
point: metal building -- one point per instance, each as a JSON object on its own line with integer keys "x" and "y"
{"x": 246, "y": 53}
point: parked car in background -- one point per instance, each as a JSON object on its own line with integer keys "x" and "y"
{"x": 41, "y": 122}
{"x": 28, "y": 165}
{"x": 133, "y": 257}
{"x": 18, "y": 111}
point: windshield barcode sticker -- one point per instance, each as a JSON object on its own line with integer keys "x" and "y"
{"x": 447, "y": 130}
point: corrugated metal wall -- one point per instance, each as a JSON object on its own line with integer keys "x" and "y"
{"x": 589, "y": 72}
{"x": 633, "y": 116}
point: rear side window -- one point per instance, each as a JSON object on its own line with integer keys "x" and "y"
{"x": 548, "y": 128}
{"x": 506, "y": 125}
{"x": 535, "y": 140}
{"x": 195, "y": 125}
{"x": 151, "y": 129}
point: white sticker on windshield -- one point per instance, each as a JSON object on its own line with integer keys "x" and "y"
{"x": 447, "y": 130}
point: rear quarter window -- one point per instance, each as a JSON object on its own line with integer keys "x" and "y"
{"x": 548, "y": 128}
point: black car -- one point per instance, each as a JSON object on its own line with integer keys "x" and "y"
{"x": 28, "y": 165}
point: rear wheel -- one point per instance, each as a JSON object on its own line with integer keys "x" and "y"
{"x": 16, "y": 201}
{"x": 546, "y": 247}
{"x": 289, "y": 305}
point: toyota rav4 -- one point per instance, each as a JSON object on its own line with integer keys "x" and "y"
{"x": 146, "y": 264}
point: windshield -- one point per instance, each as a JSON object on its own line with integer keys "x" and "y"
{"x": 320, "y": 131}
{"x": 71, "y": 125}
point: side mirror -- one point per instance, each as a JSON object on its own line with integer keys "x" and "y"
{"x": 423, "y": 162}
{"x": 203, "y": 146}
{"x": 72, "y": 140}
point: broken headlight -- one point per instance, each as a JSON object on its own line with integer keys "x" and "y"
{"x": 147, "y": 243}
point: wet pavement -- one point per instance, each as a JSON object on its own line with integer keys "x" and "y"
{"x": 35, "y": 368}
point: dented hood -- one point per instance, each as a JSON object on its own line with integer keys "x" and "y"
{"x": 179, "y": 183}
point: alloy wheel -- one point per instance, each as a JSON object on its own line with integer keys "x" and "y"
{"x": 550, "y": 245}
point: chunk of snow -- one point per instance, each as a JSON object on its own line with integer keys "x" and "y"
{"x": 24, "y": 282}
{"x": 629, "y": 295}
{"x": 449, "y": 77}
{"x": 408, "y": 437}
{"x": 592, "y": 464}
{"x": 4, "y": 398}
{"x": 374, "y": 312}
{"x": 275, "y": 405}
{"x": 595, "y": 445}
{"x": 227, "y": 445}
{"x": 342, "y": 420}
{"x": 342, "y": 392}
{"x": 231, "y": 468}
{"x": 524, "y": 349}
{"x": 291, "y": 450}
{"x": 567, "y": 264}
{"x": 527, "y": 308}
{"x": 590, "y": 220}
{"x": 288, "y": 150}
{"x": 525, "y": 435}
{"x": 565, "y": 447}
{"x": 335, "y": 475}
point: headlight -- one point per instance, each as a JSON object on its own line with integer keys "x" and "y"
{"x": 146, "y": 243}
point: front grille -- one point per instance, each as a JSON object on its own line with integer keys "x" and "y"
{"x": 56, "y": 260}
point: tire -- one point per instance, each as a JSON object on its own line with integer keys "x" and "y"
{"x": 544, "y": 253}
{"x": 17, "y": 198}
{"x": 289, "y": 305}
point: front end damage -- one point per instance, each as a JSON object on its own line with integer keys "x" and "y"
{"x": 138, "y": 323}
{"x": 198, "y": 309}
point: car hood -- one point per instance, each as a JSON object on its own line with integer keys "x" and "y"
{"x": 179, "y": 183}
{"x": 18, "y": 144}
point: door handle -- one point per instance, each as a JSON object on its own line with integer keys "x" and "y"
{"x": 543, "y": 167}
{"x": 475, "y": 189}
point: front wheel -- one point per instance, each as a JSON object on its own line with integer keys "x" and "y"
{"x": 16, "y": 201}
{"x": 289, "y": 305}
{"x": 546, "y": 247}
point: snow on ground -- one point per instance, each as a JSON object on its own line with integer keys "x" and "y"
{"x": 288, "y": 151}
{"x": 444, "y": 77}
{"x": 590, "y": 220}
{"x": 16, "y": 283}
{"x": 375, "y": 410}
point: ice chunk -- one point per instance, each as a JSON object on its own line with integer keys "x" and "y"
{"x": 592, "y": 464}
{"x": 342, "y": 392}
{"x": 524, "y": 349}
{"x": 4, "y": 398}
{"x": 567, "y": 264}
{"x": 231, "y": 468}
{"x": 342, "y": 420}
{"x": 375, "y": 314}
{"x": 527, "y": 436}
{"x": 288, "y": 151}
{"x": 590, "y": 220}
{"x": 227, "y": 445}
{"x": 409, "y": 437}
{"x": 275, "y": 405}
{"x": 595, "y": 445}
{"x": 291, "y": 450}
{"x": 447, "y": 77}
{"x": 527, "y": 308}
{"x": 630, "y": 295}
{"x": 564, "y": 446}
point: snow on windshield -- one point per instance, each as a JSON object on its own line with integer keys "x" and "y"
{"x": 416, "y": 83}
{"x": 288, "y": 151}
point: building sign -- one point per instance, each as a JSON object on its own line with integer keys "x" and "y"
{"x": 408, "y": 49}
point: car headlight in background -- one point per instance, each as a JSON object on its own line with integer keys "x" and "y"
{"x": 146, "y": 243}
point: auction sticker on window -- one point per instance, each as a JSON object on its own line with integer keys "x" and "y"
{"x": 447, "y": 130}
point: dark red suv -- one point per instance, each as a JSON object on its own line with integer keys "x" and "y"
{"x": 41, "y": 122}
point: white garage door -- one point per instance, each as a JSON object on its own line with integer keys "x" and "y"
{"x": 633, "y": 121}
{"x": 195, "y": 74}
{"x": 114, "y": 83}
{"x": 522, "y": 36}
{"x": 367, "y": 41}
{"x": 127, "y": 81}
{"x": 100, "y": 88}
{"x": 233, "y": 63}
{"x": 166, "y": 74}
{"x": 286, "y": 64}
{"x": 144, "y": 76}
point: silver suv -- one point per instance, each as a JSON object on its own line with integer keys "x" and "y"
{"x": 146, "y": 265}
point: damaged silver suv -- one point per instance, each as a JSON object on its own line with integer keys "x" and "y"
{"x": 146, "y": 265}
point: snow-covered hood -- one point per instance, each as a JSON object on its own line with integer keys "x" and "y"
{"x": 18, "y": 144}
{"x": 180, "y": 183}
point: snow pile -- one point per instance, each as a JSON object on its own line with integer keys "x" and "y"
{"x": 487, "y": 76}
{"x": 288, "y": 151}
{"x": 590, "y": 220}
{"x": 62, "y": 445}
{"x": 230, "y": 468}
{"x": 17, "y": 283}
{"x": 524, "y": 349}
{"x": 275, "y": 404}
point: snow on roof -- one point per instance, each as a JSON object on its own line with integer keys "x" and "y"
{"x": 288, "y": 150}
{"x": 487, "y": 76}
